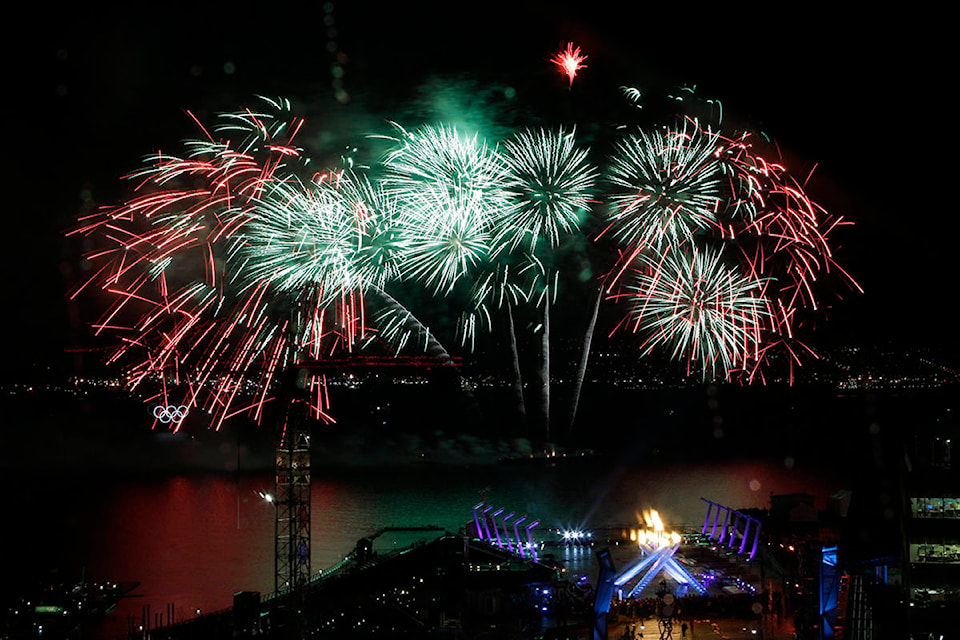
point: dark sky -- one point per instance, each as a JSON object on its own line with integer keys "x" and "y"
{"x": 867, "y": 96}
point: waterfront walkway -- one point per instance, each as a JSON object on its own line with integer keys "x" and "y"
{"x": 702, "y": 629}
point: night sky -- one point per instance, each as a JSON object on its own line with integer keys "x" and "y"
{"x": 89, "y": 91}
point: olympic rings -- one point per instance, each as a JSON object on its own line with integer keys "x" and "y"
{"x": 169, "y": 413}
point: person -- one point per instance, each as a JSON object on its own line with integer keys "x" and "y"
{"x": 683, "y": 630}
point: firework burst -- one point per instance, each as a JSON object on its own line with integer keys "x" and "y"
{"x": 438, "y": 157}
{"x": 445, "y": 238}
{"x": 548, "y": 185}
{"x": 777, "y": 226}
{"x": 569, "y": 61}
{"x": 334, "y": 234}
{"x": 700, "y": 310}
{"x": 665, "y": 186}
{"x": 447, "y": 187}
{"x": 683, "y": 189}
{"x": 225, "y": 269}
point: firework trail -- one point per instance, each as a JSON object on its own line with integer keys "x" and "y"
{"x": 549, "y": 185}
{"x": 226, "y": 268}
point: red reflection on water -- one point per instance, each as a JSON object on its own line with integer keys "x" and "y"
{"x": 190, "y": 542}
{"x": 193, "y": 541}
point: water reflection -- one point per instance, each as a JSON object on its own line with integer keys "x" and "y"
{"x": 192, "y": 541}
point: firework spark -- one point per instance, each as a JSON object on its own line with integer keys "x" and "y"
{"x": 665, "y": 186}
{"x": 679, "y": 191}
{"x": 549, "y": 185}
{"x": 702, "y": 311}
{"x": 569, "y": 61}
{"x": 225, "y": 269}
{"x": 448, "y": 188}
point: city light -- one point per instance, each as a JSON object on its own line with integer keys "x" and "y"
{"x": 576, "y": 536}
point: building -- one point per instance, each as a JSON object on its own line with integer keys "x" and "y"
{"x": 932, "y": 488}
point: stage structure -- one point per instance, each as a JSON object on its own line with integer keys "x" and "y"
{"x": 737, "y": 531}
{"x": 829, "y": 590}
{"x": 658, "y": 548}
{"x": 649, "y": 567}
{"x": 604, "y": 594}
{"x": 493, "y": 526}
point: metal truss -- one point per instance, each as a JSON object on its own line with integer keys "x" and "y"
{"x": 292, "y": 565}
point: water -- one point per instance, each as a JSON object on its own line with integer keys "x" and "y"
{"x": 194, "y": 540}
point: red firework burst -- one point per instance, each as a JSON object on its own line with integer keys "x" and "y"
{"x": 569, "y": 61}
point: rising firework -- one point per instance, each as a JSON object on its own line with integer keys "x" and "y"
{"x": 549, "y": 187}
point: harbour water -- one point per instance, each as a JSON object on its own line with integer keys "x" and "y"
{"x": 91, "y": 491}
{"x": 192, "y": 541}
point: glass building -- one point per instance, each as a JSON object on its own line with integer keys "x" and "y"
{"x": 932, "y": 486}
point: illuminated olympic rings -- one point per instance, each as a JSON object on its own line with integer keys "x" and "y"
{"x": 169, "y": 413}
